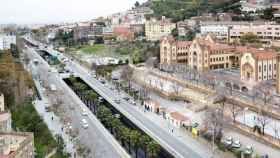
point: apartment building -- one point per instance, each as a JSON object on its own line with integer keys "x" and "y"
{"x": 278, "y": 75}
{"x": 220, "y": 31}
{"x": 258, "y": 64}
{"x": 16, "y": 145}
{"x": 5, "y": 117}
{"x": 124, "y": 33}
{"x": 6, "y": 40}
{"x": 156, "y": 29}
{"x": 267, "y": 32}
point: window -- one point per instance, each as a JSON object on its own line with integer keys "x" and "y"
{"x": 260, "y": 68}
{"x": 269, "y": 67}
{"x": 264, "y": 67}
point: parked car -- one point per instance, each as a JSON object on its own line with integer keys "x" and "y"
{"x": 236, "y": 144}
{"x": 248, "y": 150}
{"x": 84, "y": 113}
{"x": 118, "y": 101}
{"x": 126, "y": 98}
{"x": 227, "y": 141}
{"x": 84, "y": 123}
{"x": 133, "y": 102}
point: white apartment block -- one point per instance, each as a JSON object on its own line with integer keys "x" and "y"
{"x": 266, "y": 32}
{"x": 220, "y": 31}
{"x": 6, "y": 41}
{"x": 156, "y": 29}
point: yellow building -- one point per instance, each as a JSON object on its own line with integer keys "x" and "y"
{"x": 201, "y": 54}
{"x": 258, "y": 64}
{"x": 156, "y": 29}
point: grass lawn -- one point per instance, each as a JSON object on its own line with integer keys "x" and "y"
{"x": 93, "y": 49}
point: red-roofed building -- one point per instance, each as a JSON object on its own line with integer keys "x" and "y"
{"x": 204, "y": 53}
{"x": 124, "y": 33}
{"x": 258, "y": 64}
{"x": 177, "y": 119}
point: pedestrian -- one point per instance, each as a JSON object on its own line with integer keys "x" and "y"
{"x": 52, "y": 117}
{"x": 172, "y": 130}
{"x": 61, "y": 128}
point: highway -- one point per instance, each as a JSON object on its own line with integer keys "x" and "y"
{"x": 172, "y": 144}
{"x": 101, "y": 143}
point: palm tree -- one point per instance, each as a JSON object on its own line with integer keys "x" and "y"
{"x": 125, "y": 136}
{"x": 80, "y": 88}
{"x": 72, "y": 79}
{"x": 135, "y": 140}
{"x": 92, "y": 96}
{"x": 116, "y": 124}
{"x": 153, "y": 149}
{"x": 145, "y": 139}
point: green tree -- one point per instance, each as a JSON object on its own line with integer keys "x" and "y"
{"x": 153, "y": 149}
{"x": 135, "y": 139}
{"x": 174, "y": 33}
{"x": 137, "y": 4}
{"x": 249, "y": 38}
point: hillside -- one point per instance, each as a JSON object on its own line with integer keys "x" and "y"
{"x": 184, "y": 9}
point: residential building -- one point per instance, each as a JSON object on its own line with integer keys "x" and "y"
{"x": 2, "y": 106}
{"x": 156, "y": 29}
{"x": 124, "y": 33}
{"x": 5, "y": 117}
{"x": 5, "y": 122}
{"x": 267, "y": 32}
{"x": 278, "y": 75}
{"x": 258, "y": 64}
{"x": 220, "y": 31}
{"x": 254, "y": 5}
{"x": 16, "y": 145}
{"x": 6, "y": 40}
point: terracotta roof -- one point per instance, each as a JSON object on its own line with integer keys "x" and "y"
{"x": 178, "y": 116}
{"x": 260, "y": 54}
{"x": 183, "y": 43}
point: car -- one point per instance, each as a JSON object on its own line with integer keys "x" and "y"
{"x": 84, "y": 113}
{"x": 84, "y": 123}
{"x": 133, "y": 102}
{"x": 118, "y": 101}
{"x": 227, "y": 141}
{"x": 248, "y": 150}
{"x": 126, "y": 98}
{"x": 236, "y": 144}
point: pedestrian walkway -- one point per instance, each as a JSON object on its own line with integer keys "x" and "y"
{"x": 53, "y": 122}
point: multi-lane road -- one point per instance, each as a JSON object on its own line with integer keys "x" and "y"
{"x": 100, "y": 142}
{"x": 172, "y": 144}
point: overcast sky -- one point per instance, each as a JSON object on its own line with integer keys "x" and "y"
{"x": 52, "y": 11}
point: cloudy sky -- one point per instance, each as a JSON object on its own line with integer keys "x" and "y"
{"x": 52, "y": 11}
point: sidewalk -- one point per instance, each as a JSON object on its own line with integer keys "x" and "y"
{"x": 53, "y": 122}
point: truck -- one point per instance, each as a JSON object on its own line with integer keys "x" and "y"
{"x": 53, "y": 87}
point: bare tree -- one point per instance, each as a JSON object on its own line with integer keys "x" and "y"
{"x": 127, "y": 73}
{"x": 161, "y": 84}
{"x": 235, "y": 110}
{"x": 215, "y": 123}
{"x": 176, "y": 88}
{"x": 263, "y": 119}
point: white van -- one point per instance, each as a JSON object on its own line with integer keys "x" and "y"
{"x": 84, "y": 123}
